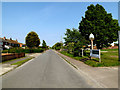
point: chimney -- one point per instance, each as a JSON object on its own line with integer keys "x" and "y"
{"x": 16, "y": 40}
{"x": 10, "y": 38}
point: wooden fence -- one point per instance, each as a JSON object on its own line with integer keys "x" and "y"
{"x": 12, "y": 56}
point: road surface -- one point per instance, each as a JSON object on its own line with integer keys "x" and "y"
{"x": 48, "y": 70}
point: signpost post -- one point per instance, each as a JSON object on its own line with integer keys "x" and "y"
{"x": 119, "y": 43}
{"x": 82, "y": 52}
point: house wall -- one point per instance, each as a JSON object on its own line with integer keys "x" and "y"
{"x": 1, "y": 45}
{"x": 112, "y": 47}
{"x": 20, "y": 45}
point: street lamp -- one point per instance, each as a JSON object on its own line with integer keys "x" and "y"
{"x": 91, "y": 37}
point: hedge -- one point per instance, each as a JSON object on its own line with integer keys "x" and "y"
{"x": 23, "y": 50}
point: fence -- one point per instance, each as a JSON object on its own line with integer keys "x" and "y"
{"x": 12, "y": 56}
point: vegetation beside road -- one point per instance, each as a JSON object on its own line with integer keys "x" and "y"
{"x": 108, "y": 58}
{"x": 72, "y": 56}
{"x": 69, "y": 62}
{"x": 104, "y": 30}
{"x": 113, "y": 50}
{"x": 21, "y": 50}
{"x": 32, "y": 46}
{"x": 23, "y": 61}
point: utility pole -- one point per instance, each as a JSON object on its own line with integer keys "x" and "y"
{"x": 61, "y": 38}
{"x": 61, "y": 42}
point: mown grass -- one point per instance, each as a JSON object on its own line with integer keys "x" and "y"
{"x": 72, "y": 56}
{"x": 109, "y": 58}
{"x": 21, "y": 62}
{"x": 109, "y": 49}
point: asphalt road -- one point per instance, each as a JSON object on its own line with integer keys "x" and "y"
{"x": 48, "y": 70}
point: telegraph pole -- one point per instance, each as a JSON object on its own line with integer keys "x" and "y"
{"x": 61, "y": 42}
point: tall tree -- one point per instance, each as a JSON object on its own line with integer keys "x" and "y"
{"x": 32, "y": 39}
{"x": 74, "y": 41}
{"x": 44, "y": 44}
{"x": 74, "y": 36}
{"x": 101, "y": 24}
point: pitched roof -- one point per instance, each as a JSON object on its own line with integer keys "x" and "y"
{"x": 10, "y": 41}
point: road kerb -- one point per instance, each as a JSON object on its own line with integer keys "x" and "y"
{"x": 100, "y": 85}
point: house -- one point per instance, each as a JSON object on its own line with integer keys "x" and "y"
{"x": 1, "y": 44}
{"x": 112, "y": 46}
{"x": 9, "y": 43}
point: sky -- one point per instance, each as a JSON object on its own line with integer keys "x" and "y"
{"x": 48, "y": 19}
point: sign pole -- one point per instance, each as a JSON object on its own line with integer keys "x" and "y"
{"x": 119, "y": 44}
{"x": 92, "y": 44}
{"x": 99, "y": 56}
{"x": 82, "y": 52}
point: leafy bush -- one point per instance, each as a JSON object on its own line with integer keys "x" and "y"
{"x": 5, "y": 51}
{"x": 20, "y": 50}
{"x": 58, "y": 48}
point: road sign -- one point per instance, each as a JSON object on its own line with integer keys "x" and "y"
{"x": 119, "y": 43}
{"x": 95, "y": 53}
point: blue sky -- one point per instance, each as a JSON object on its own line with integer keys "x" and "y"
{"x": 48, "y": 19}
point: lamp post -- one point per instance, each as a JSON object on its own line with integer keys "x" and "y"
{"x": 91, "y": 37}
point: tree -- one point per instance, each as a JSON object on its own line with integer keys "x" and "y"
{"x": 101, "y": 24}
{"x": 32, "y": 39}
{"x": 44, "y": 44}
{"x": 70, "y": 46}
{"x": 57, "y": 46}
{"x": 74, "y": 41}
{"x": 73, "y": 36}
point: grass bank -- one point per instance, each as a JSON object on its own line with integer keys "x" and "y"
{"x": 22, "y": 62}
{"x": 108, "y": 58}
{"x": 109, "y": 50}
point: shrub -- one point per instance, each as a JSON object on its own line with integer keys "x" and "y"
{"x": 20, "y": 50}
{"x": 5, "y": 51}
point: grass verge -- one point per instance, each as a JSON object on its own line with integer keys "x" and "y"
{"x": 19, "y": 63}
{"x": 109, "y": 49}
{"x": 23, "y": 61}
{"x": 69, "y": 62}
{"x": 109, "y": 58}
{"x": 72, "y": 56}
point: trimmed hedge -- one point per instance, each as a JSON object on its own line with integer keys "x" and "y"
{"x": 23, "y": 50}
